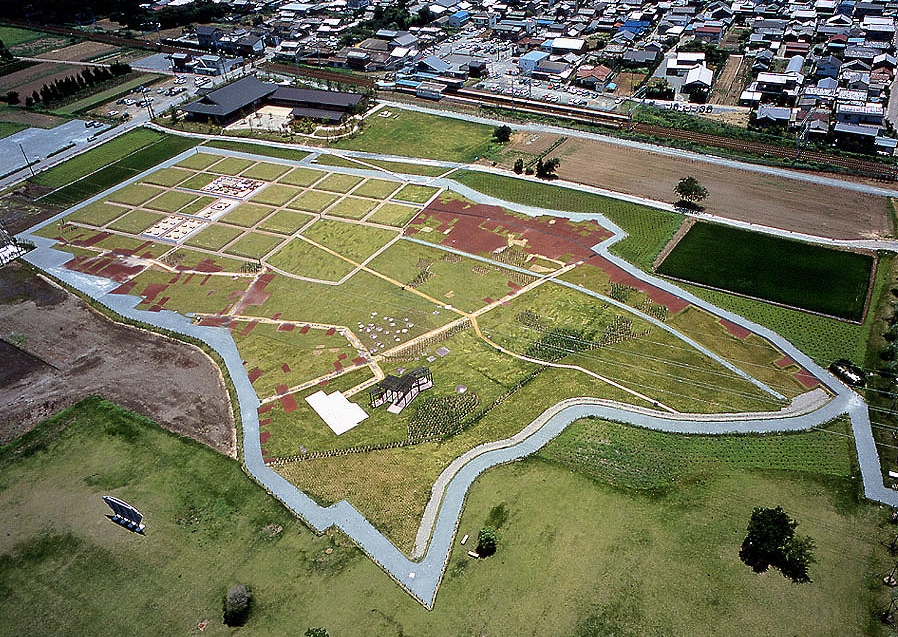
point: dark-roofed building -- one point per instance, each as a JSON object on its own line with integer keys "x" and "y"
{"x": 399, "y": 391}
{"x": 314, "y": 104}
{"x": 248, "y": 93}
{"x": 225, "y": 104}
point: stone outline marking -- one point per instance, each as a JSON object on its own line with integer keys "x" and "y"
{"x": 421, "y": 577}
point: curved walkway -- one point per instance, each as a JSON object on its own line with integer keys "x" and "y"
{"x": 421, "y": 578}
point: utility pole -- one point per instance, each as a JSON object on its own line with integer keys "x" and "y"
{"x": 27, "y": 163}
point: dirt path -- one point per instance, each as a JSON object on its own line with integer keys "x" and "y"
{"x": 727, "y": 89}
{"x": 74, "y": 352}
{"x": 737, "y": 194}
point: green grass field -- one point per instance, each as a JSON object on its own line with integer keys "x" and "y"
{"x": 302, "y": 177}
{"x": 335, "y": 182}
{"x": 198, "y": 181}
{"x": 209, "y": 526}
{"x": 413, "y": 193}
{"x": 801, "y": 275}
{"x": 394, "y": 214}
{"x": 168, "y": 176}
{"x": 135, "y": 221}
{"x": 247, "y": 214}
{"x": 285, "y": 221}
{"x": 97, "y": 214}
{"x": 351, "y": 240}
{"x": 171, "y": 201}
{"x": 196, "y": 205}
{"x": 231, "y": 166}
{"x": 136, "y": 194}
{"x": 414, "y": 134}
{"x": 266, "y": 171}
{"x": 313, "y": 201}
{"x": 275, "y": 194}
{"x": 352, "y": 207}
{"x": 304, "y": 259}
{"x": 199, "y": 160}
{"x": 257, "y": 149}
{"x": 213, "y": 237}
{"x": 377, "y": 188}
{"x": 408, "y": 168}
{"x": 254, "y": 245}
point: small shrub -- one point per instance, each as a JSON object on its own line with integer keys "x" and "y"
{"x": 487, "y": 541}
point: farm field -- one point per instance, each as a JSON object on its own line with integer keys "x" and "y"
{"x": 802, "y": 275}
{"x": 204, "y": 516}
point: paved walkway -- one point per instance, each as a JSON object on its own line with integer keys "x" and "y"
{"x": 421, "y": 577}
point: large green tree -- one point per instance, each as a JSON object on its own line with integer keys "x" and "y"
{"x": 771, "y": 541}
{"x": 690, "y": 189}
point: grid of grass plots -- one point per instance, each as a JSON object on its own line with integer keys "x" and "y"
{"x": 329, "y": 209}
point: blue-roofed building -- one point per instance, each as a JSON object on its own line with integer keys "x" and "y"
{"x": 529, "y": 61}
{"x": 459, "y": 19}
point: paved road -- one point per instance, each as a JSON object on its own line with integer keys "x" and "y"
{"x": 421, "y": 578}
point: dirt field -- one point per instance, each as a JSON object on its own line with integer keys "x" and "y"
{"x": 77, "y": 52}
{"x": 627, "y": 82}
{"x": 19, "y": 209}
{"x": 65, "y": 352}
{"x": 30, "y": 118}
{"x": 736, "y": 194}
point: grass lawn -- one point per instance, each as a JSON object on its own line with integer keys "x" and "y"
{"x": 254, "y": 245}
{"x": 71, "y": 171}
{"x": 306, "y": 356}
{"x": 8, "y": 128}
{"x": 335, "y": 182}
{"x": 304, "y": 259}
{"x": 199, "y": 181}
{"x": 199, "y": 160}
{"x": 377, "y": 188}
{"x": 196, "y": 205}
{"x": 213, "y": 237}
{"x": 408, "y": 168}
{"x": 450, "y": 281}
{"x": 302, "y": 177}
{"x": 275, "y": 194}
{"x": 413, "y": 134}
{"x": 135, "y": 194}
{"x": 247, "y": 214}
{"x": 266, "y": 171}
{"x": 802, "y": 275}
{"x": 352, "y": 207}
{"x": 98, "y": 213}
{"x": 649, "y": 230}
{"x": 348, "y": 239}
{"x": 313, "y": 201}
{"x": 326, "y": 159}
{"x": 394, "y": 214}
{"x": 553, "y": 574}
{"x": 231, "y": 166}
{"x": 168, "y": 177}
{"x": 135, "y": 221}
{"x": 172, "y": 201}
{"x": 258, "y": 149}
{"x": 413, "y": 193}
{"x": 285, "y": 221}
